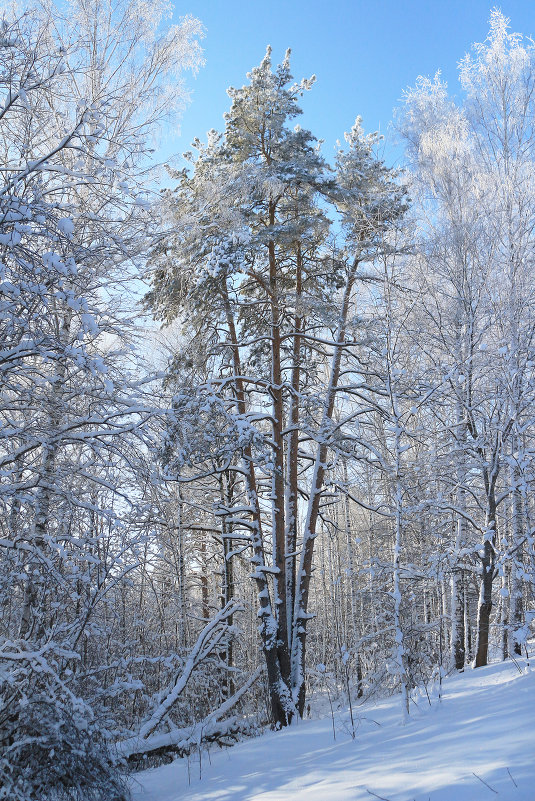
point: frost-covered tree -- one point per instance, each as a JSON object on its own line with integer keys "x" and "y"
{"x": 74, "y": 139}
{"x": 474, "y": 164}
{"x": 253, "y": 273}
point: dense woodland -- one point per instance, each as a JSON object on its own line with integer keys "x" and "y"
{"x": 267, "y": 434}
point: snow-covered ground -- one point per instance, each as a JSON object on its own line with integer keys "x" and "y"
{"x": 476, "y": 744}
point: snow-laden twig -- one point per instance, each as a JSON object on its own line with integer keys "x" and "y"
{"x": 183, "y": 739}
{"x": 207, "y": 641}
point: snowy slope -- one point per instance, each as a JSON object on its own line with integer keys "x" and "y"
{"x": 484, "y": 725}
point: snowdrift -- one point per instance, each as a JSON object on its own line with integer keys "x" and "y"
{"x": 476, "y": 743}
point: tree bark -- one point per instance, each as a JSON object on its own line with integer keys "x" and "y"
{"x": 281, "y": 704}
{"x": 316, "y": 491}
{"x": 487, "y": 578}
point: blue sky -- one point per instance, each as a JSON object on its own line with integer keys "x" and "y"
{"x": 363, "y": 53}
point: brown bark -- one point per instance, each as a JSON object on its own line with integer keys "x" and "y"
{"x": 278, "y": 484}
{"x": 293, "y": 448}
{"x": 305, "y": 571}
{"x": 279, "y": 704}
{"x": 227, "y": 583}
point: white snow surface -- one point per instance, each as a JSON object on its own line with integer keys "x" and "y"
{"x": 482, "y": 730}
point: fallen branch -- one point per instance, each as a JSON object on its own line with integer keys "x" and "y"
{"x": 207, "y": 642}
{"x": 181, "y": 741}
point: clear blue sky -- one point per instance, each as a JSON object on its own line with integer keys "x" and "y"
{"x": 363, "y": 53}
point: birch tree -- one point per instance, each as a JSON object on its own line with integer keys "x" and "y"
{"x": 476, "y": 157}
{"x": 72, "y": 405}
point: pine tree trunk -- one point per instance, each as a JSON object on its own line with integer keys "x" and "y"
{"x": 278, "y": 472}
{"x": 282, "y": 707}
{"x": 301, "y": 615}
{"x": 293, "y": 453}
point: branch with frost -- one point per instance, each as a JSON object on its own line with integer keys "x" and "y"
{"x": 210, "y": 727}
{"x": 210, "y": 638}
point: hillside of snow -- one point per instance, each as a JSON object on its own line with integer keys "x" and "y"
{"x": 475, "y": 744}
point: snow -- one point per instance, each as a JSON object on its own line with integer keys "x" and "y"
{"x": 66, "y": 226}
{"x": 481, "y": 732}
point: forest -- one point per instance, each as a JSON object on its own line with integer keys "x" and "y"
{"x": 266, "y": 423}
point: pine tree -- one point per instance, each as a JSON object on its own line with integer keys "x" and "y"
{"x": 253, "y": 272}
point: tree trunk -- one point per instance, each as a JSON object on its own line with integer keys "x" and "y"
{"x": 277, "y": 481}
{"x": 457, "y": 619}
{"x": 485, "y": 594}
{"x": 301, "y": 615}
{"x": 293, "y": 453}
{"x": 516, "y": 612}
{"x": 282, "y": 707}
{"x": 488, "y": 561}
